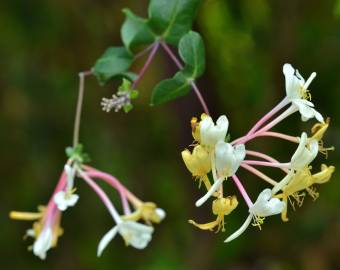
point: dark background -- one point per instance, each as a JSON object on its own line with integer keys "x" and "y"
{"x": 44, "y": 44}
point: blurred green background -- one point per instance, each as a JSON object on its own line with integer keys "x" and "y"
{"x": 44, "y": 44}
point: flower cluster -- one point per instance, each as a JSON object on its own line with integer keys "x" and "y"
{"x": 135, "y": 226}
{"x": 214, "y": 159}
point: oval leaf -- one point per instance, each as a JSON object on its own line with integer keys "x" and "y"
{"x": 115, "y": 61}
{"x": 171, "y": 19}
{"x": 192, "y": 51}
{"x": 135, "y": 31}
{"x": 170, "y": 89}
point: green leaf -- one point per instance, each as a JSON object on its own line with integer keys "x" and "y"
{"x": 171, "y": 19}
{"x": 115, "y": 61}
{"x": 170, "y": 89}
{"x": 191, "y": 50}
{"x": 135, "y": 31}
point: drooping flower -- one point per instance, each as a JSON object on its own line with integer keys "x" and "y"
{"x": 220, "y": 207}
{"x": 228, "y": 158}
{"x": 135, "y": 234}
{"x": 210, "y": 133}
{"x": 265, "y": 205}
{"x": 147, "y": 211}
{"x": 298, "y": 93}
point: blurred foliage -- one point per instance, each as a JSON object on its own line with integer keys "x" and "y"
{"x": 43, "y": 46}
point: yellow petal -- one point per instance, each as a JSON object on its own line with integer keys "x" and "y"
{"x": 205, "y": 226}
{"x": 197, "y": 162}
{"x": 319, "y": 129}
{"x": 224, "y": 206}
{"x": 324, "y": 175}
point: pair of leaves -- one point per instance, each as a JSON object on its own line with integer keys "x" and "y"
{"x": 192, "y": 52}
{"x": 168, "y": 20}
{"x": 77, "y": 154}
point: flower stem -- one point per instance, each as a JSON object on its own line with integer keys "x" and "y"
{"x": 265, "y": 118}
{"x": 266, "y": 164}
{"x": 102, "y": 195}
{"x": 265, "y": 157}
{"x": 82, "y": 76}
{"x": 193, "y": 84}
{"x": 242, "y": 190}
{"x": 124, "y": 193}
{"x": 259, "y": 174}
{"x": 151, "y": 56}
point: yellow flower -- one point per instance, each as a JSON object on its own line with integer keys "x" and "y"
{"x": 220, "y": 207}
{"x": 304, "y": 180}
{"x": 195, "y": 127}
{"x": 198, "y": 163}
{"x": 147, "y": 211}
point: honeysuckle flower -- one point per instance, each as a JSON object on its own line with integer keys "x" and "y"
{"x": 46, "y": 229}
{"x": 303, "y": 180}
{"x": 198, "y": 163}
{"x": 305, "y": 153}
{"x": 135, "y": 234}
{"x": 265, "y": 205}
{"x": 148, "y": 212}
{"x": 228, "y": 158}
{"x": 210, "y": 133}
{"x": 298, "y": 93}
{"x": 65, "y": 199}
{"x": 220, "y": 207}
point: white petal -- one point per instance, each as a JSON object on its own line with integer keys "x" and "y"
{"x": 310, "y": 79}
{"x": 265, "y": 205}
{"x": 210, "y": 192}
{"x": 106, "y": 240}
{"x": 210, "y": 133}
{"x": 283, "y": 182}
{"x": 240, "y": 230}
{"x": 43, "y": 243}
{"x": 59, "y": 199}
{"x": 291, "y": 81}
{"x": 136, "y": 234}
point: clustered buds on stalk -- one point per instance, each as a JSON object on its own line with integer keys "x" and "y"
{"x": 214, "y": 160}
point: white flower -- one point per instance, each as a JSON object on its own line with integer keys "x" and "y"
{"x": 305, "y": 153}
{"x": 135, "y": 234}
{"x": 264, "y": 206}
{"x": 211, "y": 133}
{"x": 297, "y": 92}
{"x": 228, "y": 158}
{"x": 63, "y": 200}
{"x": 43, "y": 243}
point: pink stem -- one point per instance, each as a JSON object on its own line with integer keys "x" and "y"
{"x": 146, "y": 65}
{"x": 102, "y": 195}
{"x": 143, "y": 52}
{"x": 267, "y": 164}
{"x": 242, "y": 191}
{"x": 277, "y": 120}
{"x": 278, "y": 135}
{"x": 265, "y": 118}
{"x": 259, "y": 174}
{"x": 114, "y": 183}
{"x": 265, "y": 157}
{"x": 193, "y": 84}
